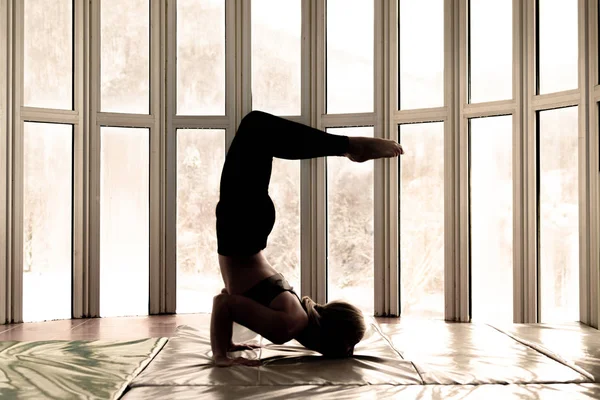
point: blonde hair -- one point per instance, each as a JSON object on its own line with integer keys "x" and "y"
{"x": 340, "y": 325}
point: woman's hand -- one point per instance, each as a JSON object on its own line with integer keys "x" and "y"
{"x": 244, "y": 346}
{"x": 228, "y": 362}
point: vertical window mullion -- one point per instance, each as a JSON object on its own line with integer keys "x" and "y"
{"x": 593, "y": 167}
{"x": 382, "y": 286}
{"x": 585, "y": 223}
{"x": 463, "y": 295}
{"x": 159, "y": 273}
{"x": 231, "y": 73}
{"x": 16, "y": 267}
{"x": 168, "y": 110}
{"x": 307, "y": 51}
{"x": 389, "y": 107}
{"x": 519, "y": 128}
{"x": 460, "y": 179}
{"x": 4, "y": 132}
{"x": 450, "y": 127}
{"x": 317, "y": 287}
{"x": 79, "y": 160}
{"x": 530, "y": 236}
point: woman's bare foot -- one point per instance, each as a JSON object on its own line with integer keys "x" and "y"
{"x": 362, "y": 149}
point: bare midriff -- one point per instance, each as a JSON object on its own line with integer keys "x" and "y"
{"x": 242, "y": 273}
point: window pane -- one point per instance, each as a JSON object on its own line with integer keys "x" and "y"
{"x": 48, "y": 54}
{"x": 47, "y": 217}
{"x": 490, "y": 43}
{"x": 421, "y": 53}
{"x": 200, "y": 158}
{"x": 201, "y": 57}
{"x": 422, "y": 220}
{"x": 124, "y": 221}
{"x": 283, "y": 248}
{"x": 125, "y": 56}
{"x": 559, "y": 213}
{"x": 558, "y": 47}
{"x": 350, "y": 227}
{"x": 276, "y": 51}
{"x": 350, "y": 56}
{"x": 491, "y": 218}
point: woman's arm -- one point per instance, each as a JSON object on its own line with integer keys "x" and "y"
{"x": 277, "y": 326}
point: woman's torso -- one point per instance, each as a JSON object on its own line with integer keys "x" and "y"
{"x": 242, "y": 273}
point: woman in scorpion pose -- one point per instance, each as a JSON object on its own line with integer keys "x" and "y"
{"x": 256, "y": 295}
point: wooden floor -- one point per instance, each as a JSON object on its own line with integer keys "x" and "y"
{"x": 125, "y": 328}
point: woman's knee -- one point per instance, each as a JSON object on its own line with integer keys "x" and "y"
{"x": 253, "y": 120}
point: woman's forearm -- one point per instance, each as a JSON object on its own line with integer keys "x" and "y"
{"x": 221, "y": 326}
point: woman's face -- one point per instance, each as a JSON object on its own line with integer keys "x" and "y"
{"x": 343, "y": 349}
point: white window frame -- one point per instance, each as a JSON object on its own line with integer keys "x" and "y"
{"x": 385, "y": 301}
{"x": 590, "y": 310}
{"x": 153, "y": 122}
{"x": 19, "y": 114}
{"x": 4, "y": 129}
{"x": 456, "y": 290}
{"x": 235, "y": 29}
{"x": 163, "y": 123}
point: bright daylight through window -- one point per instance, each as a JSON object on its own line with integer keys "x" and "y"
{"x": 477, "y": 145}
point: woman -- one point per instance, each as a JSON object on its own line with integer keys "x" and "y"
{"x": 255, "y": 295}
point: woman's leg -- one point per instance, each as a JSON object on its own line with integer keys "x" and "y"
{"x": 281, "y": 138}
{"x": 245, "y": 213}
{"x": 262, "y": 136}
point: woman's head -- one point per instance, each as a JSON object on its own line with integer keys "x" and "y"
{"x": 338, "y": 325}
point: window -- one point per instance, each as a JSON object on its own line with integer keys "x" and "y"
{"x": 350, "y": 56}
{"x": 421, "y": 54}
{"x": 350, "y": 229}
{"x": 125, "y": 56}
{"x": 124, "y": 221}
{"x": 422, "y": 220}
{"x": 200, "y": 158}
{"x": 201, "y": 57}
{"x": 491, "y": 201}
{"x": 559, "y": 214}
{"x": 557, "y": 48}
{"x": 276, "y": 56}
{"x": 48, "y": 54}
{"x": 127, "y": 109}
{"x": 276, "y": 83}
{"x": 47, "y": 217}
{"x": 490, "y": 48}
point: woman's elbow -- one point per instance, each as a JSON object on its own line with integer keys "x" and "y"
{"x": 220, "y": 301}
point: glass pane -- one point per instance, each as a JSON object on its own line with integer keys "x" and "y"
{"x": 491, "y": 218}
{"x": 201, "y": 57}
{"x": 48, "y": 54}
{"x": 125, "y": 56}
{"x": 276, "y": 51}
{"x": 421, "y": 54}
{"x": 350, "y": 227}
{"x": 47, "y": 217}
{"x": 350, "y": 56}
{"x": 283, "y": 248}
{"x": 422, "y": 220}
{"x": 559, "y": 215}
{"x": 124, "y": 221}
{"x": 490, "y": 43}
{"x": 558, "y": 47}
{"x": 200, "y": 158}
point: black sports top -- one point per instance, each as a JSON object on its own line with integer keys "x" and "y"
{"x": 266, "y": 290}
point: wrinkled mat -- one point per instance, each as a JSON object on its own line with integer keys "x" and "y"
{"x": 72, "y": 369}
{"x": 412, "y": 359}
